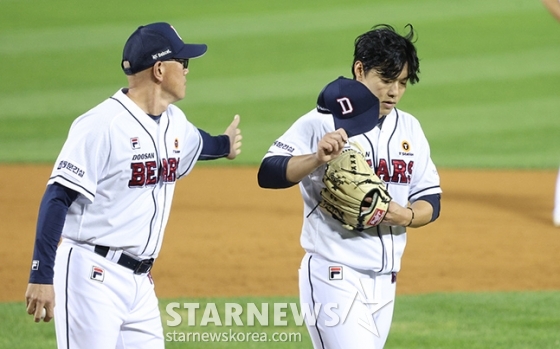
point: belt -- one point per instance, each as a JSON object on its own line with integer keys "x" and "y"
{"x": 139, "y": 267}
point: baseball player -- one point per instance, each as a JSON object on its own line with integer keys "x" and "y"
{"x": 109, "y": 197}
{"x": 357, "y": 270}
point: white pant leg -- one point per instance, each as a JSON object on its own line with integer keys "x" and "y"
{"x": 102, "y": 310}
{"x": 143, "y": 327}
{"x": 349, "y": 315}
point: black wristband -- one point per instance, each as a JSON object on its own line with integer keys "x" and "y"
{"x": 412, "y": 218}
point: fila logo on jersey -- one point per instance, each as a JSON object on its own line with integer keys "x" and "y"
{"x": 35, "y": 265}
{"x": 335, "y": 273}
{"x": 97, "y": 274}
{"x": 135, "y": 143}
{"x": 346, "y": 105}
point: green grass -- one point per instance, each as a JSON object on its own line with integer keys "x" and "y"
{"x": 509, "y": 320}
{"x": 477, "y": 320}
{"x": 487, "y": 96}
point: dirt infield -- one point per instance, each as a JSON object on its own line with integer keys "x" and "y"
{"x": 235, "y": 239}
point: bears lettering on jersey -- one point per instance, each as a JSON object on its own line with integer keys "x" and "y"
{"x": 147, "y": 174}
{"x": 397, "y": 171}
{"x": 169, "y": 170}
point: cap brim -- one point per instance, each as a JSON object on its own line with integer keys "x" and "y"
{"x": 191, "y": 51}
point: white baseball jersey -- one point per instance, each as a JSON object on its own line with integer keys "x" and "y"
{"x": 399, "y": 153}
{"x": 124, "y": 164}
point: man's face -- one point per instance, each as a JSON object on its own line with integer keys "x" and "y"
{"x": 174, "y": 82}
{"x": 389, "y": 92}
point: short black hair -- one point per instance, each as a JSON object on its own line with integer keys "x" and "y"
{"x": 387, "y": 52}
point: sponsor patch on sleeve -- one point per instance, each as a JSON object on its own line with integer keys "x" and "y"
{"x": 75, "y": 170}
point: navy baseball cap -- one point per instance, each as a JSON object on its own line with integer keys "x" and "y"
{"x": 156, "y": 42}
{"x": 353, "y": 106}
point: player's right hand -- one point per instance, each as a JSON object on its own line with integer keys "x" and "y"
{"x": 39, "y": 296}
{"x": 331, "y": 145}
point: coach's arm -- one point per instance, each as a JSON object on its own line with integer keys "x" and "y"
{"x": 52, "y": 215}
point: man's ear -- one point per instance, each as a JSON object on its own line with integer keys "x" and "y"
{"x": 157, "y": 70}
{"x": 359, "y": 70}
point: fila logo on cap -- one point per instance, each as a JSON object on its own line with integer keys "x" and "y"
{"x": 346, "y": 105}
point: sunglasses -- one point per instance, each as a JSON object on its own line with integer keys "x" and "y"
{"x": 183, "y": 61}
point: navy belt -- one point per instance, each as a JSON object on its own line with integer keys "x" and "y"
{"x": 139, "y": 267}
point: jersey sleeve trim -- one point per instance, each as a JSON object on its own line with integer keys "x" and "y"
{"x": 71, "y": 185}
{"x": 426, "y": 191}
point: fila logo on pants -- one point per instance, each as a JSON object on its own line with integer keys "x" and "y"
{"x": 97, "y": 274}
{"x": 335, "y": 273}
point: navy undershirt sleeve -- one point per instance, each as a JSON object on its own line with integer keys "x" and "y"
{"x": 435, "y": 201}
{"x": 52, "y": 215}
{"x": 213, "y": 147}
{"x": 272, "y": 173}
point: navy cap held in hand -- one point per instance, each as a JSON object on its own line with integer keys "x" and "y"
{"x": 353, "y": 106}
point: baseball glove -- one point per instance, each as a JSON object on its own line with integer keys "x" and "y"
{"x": 349, "y": 182}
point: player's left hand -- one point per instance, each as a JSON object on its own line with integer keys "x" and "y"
{"x": 397, "y": 215}
{"x": 234, "y": 134}
{"x": 39, "y": 297}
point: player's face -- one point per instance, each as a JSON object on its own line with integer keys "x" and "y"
{"x": 389, "y": 92}
{"x": 174, "y": 82}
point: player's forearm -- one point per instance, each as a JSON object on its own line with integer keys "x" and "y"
{"x": 423, "y": 212}
{"x": 280, "y": 171}
{"x": 301, "y": 166}
{"x": 213, "y": 147}
{"x": 50, "y": 222}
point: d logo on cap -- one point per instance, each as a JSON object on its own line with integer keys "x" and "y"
{"x": 346, "y": 105}
{"x": 352, "y": 105}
